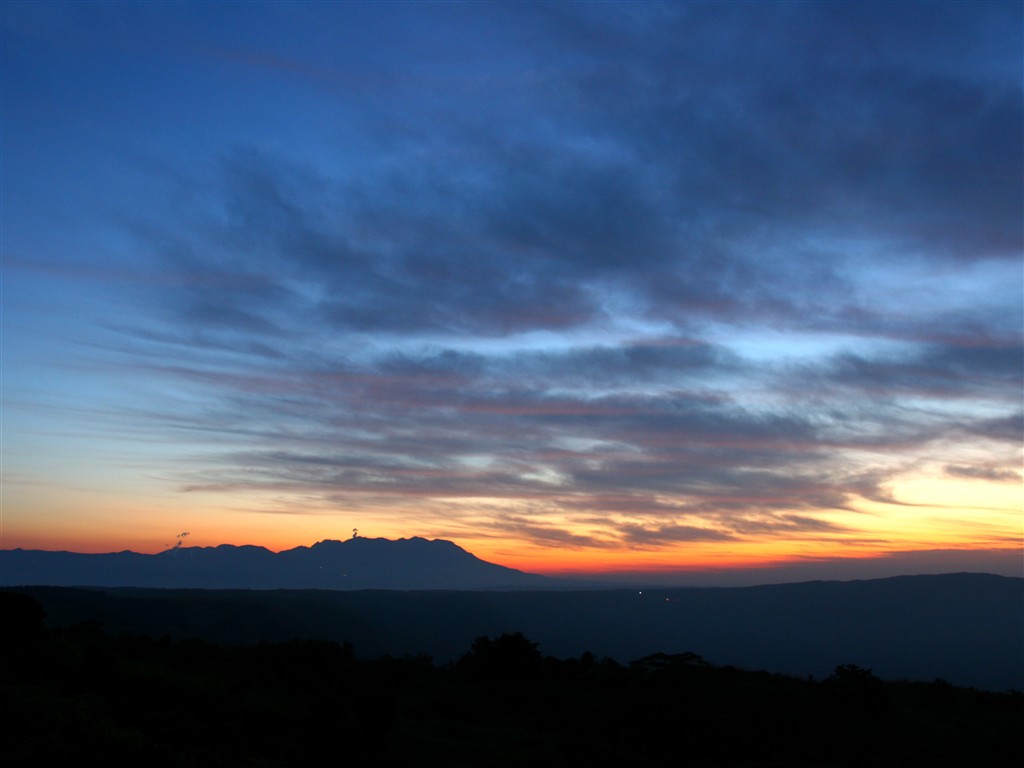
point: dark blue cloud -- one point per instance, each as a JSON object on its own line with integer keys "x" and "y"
{"x": 934, "y": 371}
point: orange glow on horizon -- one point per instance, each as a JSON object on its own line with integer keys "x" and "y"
{"x": 549, "y": 561}
{"x": 927, "y": 513}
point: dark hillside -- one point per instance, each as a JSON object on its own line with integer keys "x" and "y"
{"x": 965, "y": 628}
{"x": 78, "y": 695}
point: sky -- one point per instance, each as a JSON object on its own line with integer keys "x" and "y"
{"x": 582, "y": 287}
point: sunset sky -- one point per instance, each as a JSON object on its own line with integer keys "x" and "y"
{"x": 610, "y": 286}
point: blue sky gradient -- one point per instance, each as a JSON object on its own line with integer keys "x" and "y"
{"x": 619, "y": 282}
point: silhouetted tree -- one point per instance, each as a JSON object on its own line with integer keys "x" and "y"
{"x": 857, "y": 691}
{"x": 507, "y": 656}
{"x": 22, "y": 618}
{"x": 22, "y": 630}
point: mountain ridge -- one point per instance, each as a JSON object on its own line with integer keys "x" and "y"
{"x": 356, "y": 563}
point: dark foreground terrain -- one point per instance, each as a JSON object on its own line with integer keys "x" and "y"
{"x": 965, "y": 628}
{"x": 76, "y": 695}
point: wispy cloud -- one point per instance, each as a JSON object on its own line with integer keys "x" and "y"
{"x": 997, "y": 474}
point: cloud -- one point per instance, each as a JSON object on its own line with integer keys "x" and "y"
{"x": 1009, "y": 428}
{"x": 787, "y": 524}
{"x": 537, "y": 532}
{"x": 995, "y": 474}
{"x": 585, "y": 429}
{"x": 726, "y": 527}
{"x": 698, "y": 184}
{"x": 668, "y": 534}
{"x": 980, "y": 371}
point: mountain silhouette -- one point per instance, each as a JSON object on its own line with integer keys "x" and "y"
{"x": 358, "y": 563}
